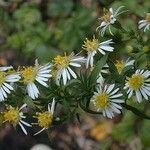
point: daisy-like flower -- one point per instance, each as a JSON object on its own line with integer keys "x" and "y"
{"x": 145, "y": 23}
{"x": 45, "y": 119}
{"x": 138, "y": 84}
{"x": 109, "y": 18}
{"x": 92, "y": 46}
{"x": 14, "y": 116}
{"x": 120, "y": 64}
{"x": 38, "y": 73}
{"x": 62, "y": 65}
{"x": 107, "y": 100}
{"x": 5, "y": 82}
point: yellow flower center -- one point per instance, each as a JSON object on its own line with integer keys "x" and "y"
{"x": 91, "y": 45}
{"x": 148, "y": 17}
{"x": 61, "y": 61}
{"x": 2, "y": 77}
{"x": 120, "y": 66}
{"x": 136, "y": 81}
{"x": 12, "y": 115}
{"x": 106, "y": 16}
{"x": 29, "y": 74}
{"x": 102, "y": 100}
{"x": 44, "y": 119}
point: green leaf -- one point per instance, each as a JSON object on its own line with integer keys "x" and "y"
{"x": 117, "y": 25}
{"x": 29, "y": 102}
{"x": 97, "y": 69}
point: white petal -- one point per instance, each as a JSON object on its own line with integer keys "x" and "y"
{"x": 35, "y": 89}
{"x": 114, "y": 92}
{"x": 115, "y": 109}
{"x": 3, "y": 92}
{"x": 8, "y": 86}
{"x": 6, "y": 89}
{"x": 44, "y": 75}
{"x": 107, "y": 48}
{"x": 75, "y": 64}
{"x": 72, "y": 72}
{"x": 1, "y": 96}
{"x": 110, "y": 88}
{"x": 42, "y": 78}
{"x": 53, "y": 106}
{"x": 32, "y": 90}
{"x": 116, "y": 105}
{"x": 24, "y": 105}
{"x": 25, "y": 123}
{"x": 68, "y": 74}
{"x": 115, "y": 96}
{"x": 64, "y": 75}
{"x": 23, "y": 129}
{"x": 5, "y": 68}
{"x": 39, "y": 131}
{"x": 130, "y": 94}
{"x": 41, "y": 82}
{"x": 144, "y": 94}
{"x": 138, "y": 96}
{"x": 117, "y": 100}
{"x": 13, "y": 78}
{"x": 101, "y": 51}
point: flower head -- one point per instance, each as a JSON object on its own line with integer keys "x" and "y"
{"x": 138, "y": 83}
{"x": 109, "y": 18}
{"x": 107, "y": 100}
{"x": 45, "y": 119}
{"x": 145, "y": 23}
{"x": 14, "y": 116}
{"x": 121, "y": 64}
{"x": 92, "y": 46}
{"x": 62, "y": 67}
{"x": 38, "y": 73}
{"x": 61, "y": 61}
{"x": 29, "y": 74}
{"x": 6, "y": 81}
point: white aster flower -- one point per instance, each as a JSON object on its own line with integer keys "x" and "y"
{"x": 138, "y": 84}
{"x": 92, "y": 46}
{"x": 121, "y": 64}
{"x": 30, "y": 75}
{"x": 45, "y": 119}
{"x": 14, "y": 116}
{"x": 145, "y": 23}
{"x": 5, "y": 83}
{"x": 63, "y": 64}
{"x": 109, "y": 18}
{"x": 107, "y": 100}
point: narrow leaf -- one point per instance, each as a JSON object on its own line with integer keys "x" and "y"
{"x": 97, "y": 69}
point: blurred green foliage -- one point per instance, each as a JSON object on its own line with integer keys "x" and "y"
{"x": 42, "y": 29}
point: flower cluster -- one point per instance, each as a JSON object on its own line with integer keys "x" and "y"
{"x": 106, "y": 84}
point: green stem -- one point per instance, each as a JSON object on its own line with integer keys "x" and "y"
{"x": 135, "y": 111}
